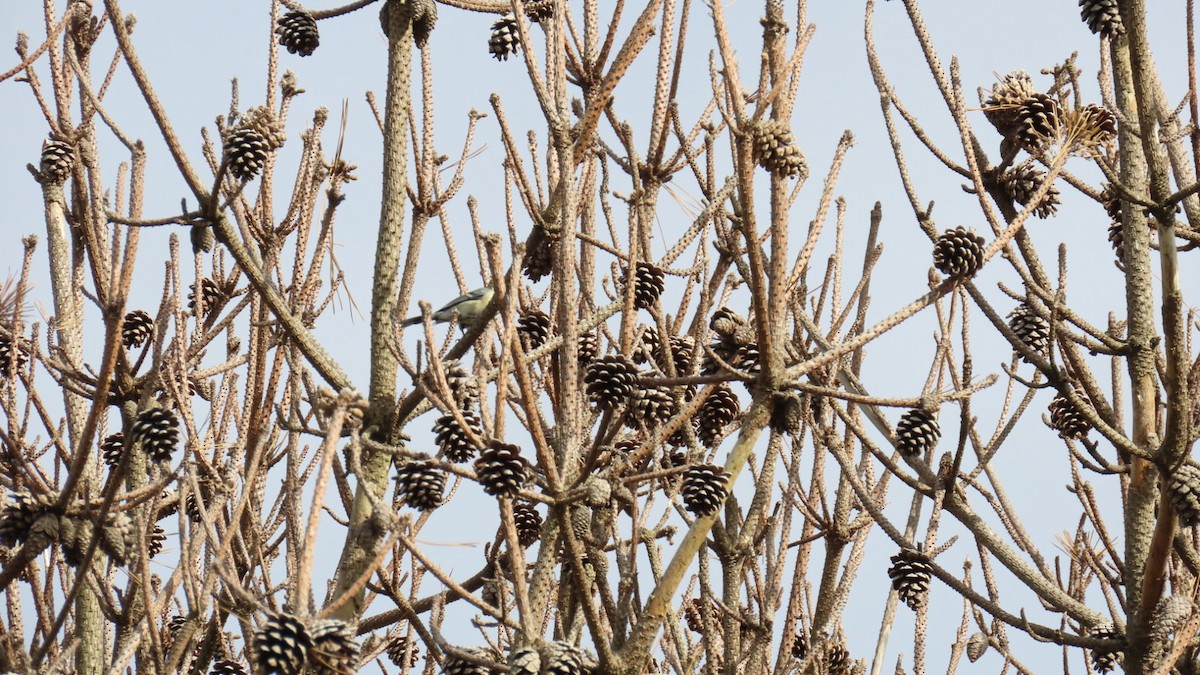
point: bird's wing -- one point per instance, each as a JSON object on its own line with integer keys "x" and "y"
{"x": 466, "y": 297}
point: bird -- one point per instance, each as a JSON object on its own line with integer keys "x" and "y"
{"x": 467, "y": 307}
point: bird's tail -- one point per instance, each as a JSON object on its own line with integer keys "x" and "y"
{"x": 411, "y": 322}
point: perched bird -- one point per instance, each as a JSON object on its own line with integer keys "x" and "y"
{"x": 468, "y": 307}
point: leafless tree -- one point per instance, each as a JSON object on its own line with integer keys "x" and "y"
{"x": 685, "y": 461}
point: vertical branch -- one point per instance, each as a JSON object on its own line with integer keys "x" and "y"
{"x": 778, "y": 289}
{"x": 67, "y": 310}
{"x": 1147, "y": 537}
{"x": 1193, "y": 93}
{"x": 636, "y": 652}
{"x": 364, "y": 535}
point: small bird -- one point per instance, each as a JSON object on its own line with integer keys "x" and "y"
{"x": 468, "y": 307}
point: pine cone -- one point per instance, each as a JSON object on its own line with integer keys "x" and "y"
{"x": 538, "y": 11}
{"x": 649, "y": 344}
{"x": 1184, "y": 490}
{"x": 534, "y": 328}
{"x": 1090, "y": 128}
{"x": 816, "y": 407}
{"x": 112, "y": 447}
{"x": 425, "y": 15}
{"x": 193, "y": 502}
{"x": 74, "y": 535}
{"x": 227, "y": 668}
{"x": 524, "y": 660}
{"x": 958, "y": 253}
{"x": 1105, "y": 661}
{"x": 453, "y": 442}
{"x": 683, "y": 354}
{"x": 704, "y": 488}
{"x": 155, "y": 541}
{"x": 173, "y": 627}
{"x": 726, "y": 323}
{"x": 14, "y": 354}
{"x": 281, "y": 645}
{"x": 539, "y": 260}
{"x": 1101, "y": 17}
{"x": 245, "y": 153}
{"x": 977, "y": 644}
{"x": 718, "y": 411}
{"x": 402, "y": 653}
{"x": 837, "y": 659}
{"x": 168, "y": 504}
{"x": 462, "y": 384}
{"x": 297, "y": 33}
{"x": 589, "y": 347}
{"x": 1066, "y": 419}
{"x": 58, "y": 158}
{"x": 136, "y": 329}
{"x": 562, "y": 658}
{"x": 648, "y": 283}
{"x": 693, "y": 610}
{"x": 1038, "y": 122}
{"x": 674, "y": 459}
{"x": 213, "y": 297}
{"x": 623, "y": 447}
{"x": 649, "y": 407}
{"x": 1170, "y": 614}
{"x": 775, "y": 150}
{"x": 501, "y": 469}
{"x": 682, "y": 351}
{"x": 528, "y": 522}
{"x": 43, "y": 532}
{"x": 202, "y": 237}
{"x": 1031, "y": 328}
{"x": 1002, "y": 108}
{"x": 747, "y": 358}
{"x": 1023, "y": 181}
{"x": 454, "y": 665}
{"x": 916, "y": 432}
{"x": 610, "y": 381}
{"x": 421, "y": 484}
{"x": 799, "y": 645}
{"x": 268, "y": 125}
{"x": 157, "y": 429}
{"x": 581, "y": 522}
{"x": 334, "y": 650}
{"x": 21, "y": 510}
{"x": 505, "y": 40}
{"x": 787, "y": 413}
{"x": 118, "y": 538}
{"x": 1116, "y": 239}
{"x": 910, "y": 574}
{"x": 1111, "y": 200}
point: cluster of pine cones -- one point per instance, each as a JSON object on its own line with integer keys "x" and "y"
{"x": 1034, "y": 121}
